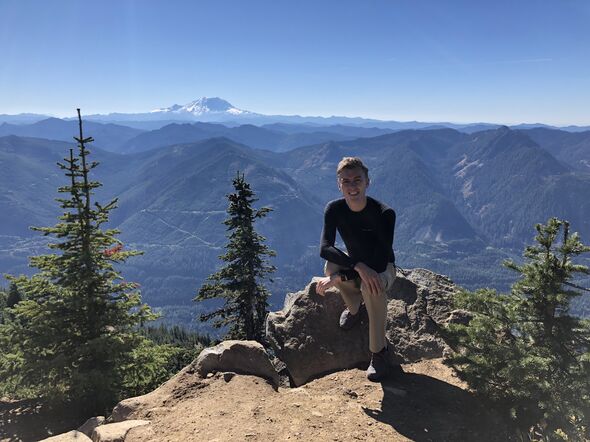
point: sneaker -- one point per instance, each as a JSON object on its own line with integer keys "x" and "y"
{"x": 380, "y": 367}
{"x": 348, "y": 320}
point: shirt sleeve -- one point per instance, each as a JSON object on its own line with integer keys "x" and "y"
{"x": 385, "y": 232}
{"x": 328, "y": 250}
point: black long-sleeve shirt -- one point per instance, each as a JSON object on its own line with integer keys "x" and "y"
{"x": 368, "y": 235}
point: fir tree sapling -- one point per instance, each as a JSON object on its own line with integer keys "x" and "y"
{"x": 523, "y": 350}
{"x": 75, "y": 331}
{"x": 238, "y": 282}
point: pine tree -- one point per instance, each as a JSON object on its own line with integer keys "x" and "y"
{"x": 14, "y": 296}
{"x": 238, "y": 281}
{"x": 524, "y": 350}
{"x": 75, "y": 330}
{"x": 3, "y": 299}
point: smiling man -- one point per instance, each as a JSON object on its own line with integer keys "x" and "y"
{"x": 367, "y": 270}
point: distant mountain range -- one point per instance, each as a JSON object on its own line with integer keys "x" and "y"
{"x": 215, "y": 109}
{"x": 465, "y": 201}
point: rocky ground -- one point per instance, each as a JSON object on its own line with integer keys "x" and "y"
{"x": 428, "y": 403}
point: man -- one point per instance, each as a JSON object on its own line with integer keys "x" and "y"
{"x": 368, "y": 269}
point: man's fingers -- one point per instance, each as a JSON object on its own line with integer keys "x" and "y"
{"x": 376, "y": 286}
{"x": 320, "y": 288}
{"x": 323, "y": 285}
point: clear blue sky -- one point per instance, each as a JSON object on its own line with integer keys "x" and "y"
{"x": 462, "y": 61}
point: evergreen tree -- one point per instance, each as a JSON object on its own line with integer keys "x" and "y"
{"x": 524, "y": 350}
{"x": 3, "y": 299}
{"x": 238, "y": 281}
{"x": 14, "y": 296}
{"x": 74, "y": 332}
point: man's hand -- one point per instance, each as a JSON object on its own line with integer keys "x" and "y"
{"x": 324, "y": 284}
{"x": 370, "y": 277}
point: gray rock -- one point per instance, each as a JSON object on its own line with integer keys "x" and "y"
{"x": 88, "y": 427}
{"x": 70, "y": 436}
{"x": 305, "y": 333}
{"x": 243, "y": 357}
{"x": 171, "y": 391}
{"x": 127, "y": 407}
{"x": 115, "y": 432}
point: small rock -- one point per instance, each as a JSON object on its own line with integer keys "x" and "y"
{"x": 317, "y": 413}
{"x": 228, "y": 375}
{"x": 70, "y": 436}
{"x": 351, "y": 393}
{"x": 210, "y": 375}
{"x": 88, "y": 427}
{"x": 115, "y": 432}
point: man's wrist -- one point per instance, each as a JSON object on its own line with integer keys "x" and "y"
{"x": 335, "y": 276}
{"x": 338, "y": 276}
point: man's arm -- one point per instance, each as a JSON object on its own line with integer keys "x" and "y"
{"x": 384, "y": 231}
{"x": 328, "y": 250}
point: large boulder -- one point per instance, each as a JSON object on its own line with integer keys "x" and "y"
{"x": 244, "y": 357}
{"x": 305, "y": 334}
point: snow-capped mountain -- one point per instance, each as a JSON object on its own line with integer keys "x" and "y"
{"x": 204, "y": 106}
{"x": 218, "y": 110}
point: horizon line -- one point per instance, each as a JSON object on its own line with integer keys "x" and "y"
{"x": 324, "y": 116}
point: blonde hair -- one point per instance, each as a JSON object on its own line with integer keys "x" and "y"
{"x": 352, "y": 163}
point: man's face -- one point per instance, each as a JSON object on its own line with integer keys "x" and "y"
{"x": 353, "y": 184}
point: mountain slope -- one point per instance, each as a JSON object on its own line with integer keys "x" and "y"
{"x": 175, "y": 204}
{"x": 253, "y": 136}
{"x": 504, "y": 183}
{"x": 107, "y": 136}
{"x": 571, "y": 148}
{"x": 464, "y": 203}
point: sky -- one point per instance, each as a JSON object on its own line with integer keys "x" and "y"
{"x": 467, "y": 61}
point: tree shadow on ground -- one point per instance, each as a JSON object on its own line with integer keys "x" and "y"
{"x": 425, "y": 409}
{"x": 29, "y": 420}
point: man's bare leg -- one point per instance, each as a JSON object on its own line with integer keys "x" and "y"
{"x": 350, "y": 292}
